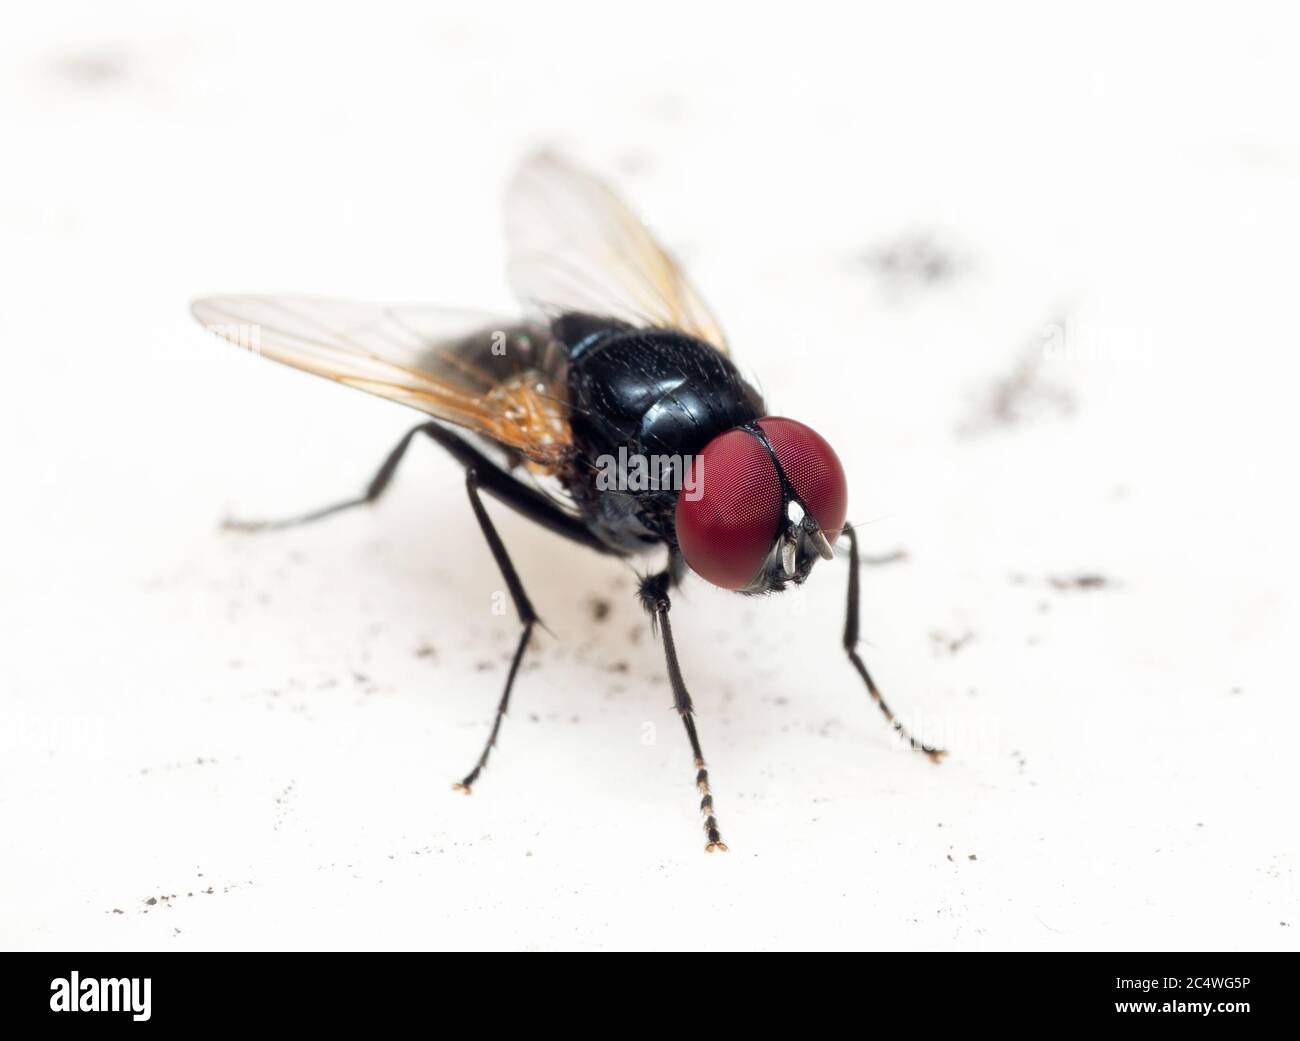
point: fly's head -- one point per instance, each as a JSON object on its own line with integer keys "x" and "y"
{"x": 763, "y": 504}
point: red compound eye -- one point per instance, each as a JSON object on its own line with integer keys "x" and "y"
{"x": 811, "y": 465}
{"x": 729, "y": 510}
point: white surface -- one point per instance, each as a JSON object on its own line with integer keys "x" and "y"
{"x": 248, "y": 720}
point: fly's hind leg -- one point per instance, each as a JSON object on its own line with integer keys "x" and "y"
{"x": 378, "y": 484}
{"x": 497, "y": 482}
{"x": 655, "y": 600}
{"x": 527, "y": 618}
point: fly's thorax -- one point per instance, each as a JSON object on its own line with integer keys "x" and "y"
{"x": 656, "y": 391}
{"x": 643, "y": 403}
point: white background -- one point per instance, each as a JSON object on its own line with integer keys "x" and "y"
{"x": 1112, "y": 199}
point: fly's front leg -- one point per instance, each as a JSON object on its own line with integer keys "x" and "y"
{"x": 654, "y": 598}
{"x": 851, "y": 648}
{"x": 527, "y": 618}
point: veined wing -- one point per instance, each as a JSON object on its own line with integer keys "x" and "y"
{"x": 575, "y": 246}
{"x": 461, "y": 367}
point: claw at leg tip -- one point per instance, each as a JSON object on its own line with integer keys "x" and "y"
{"x": 461, "y": 787}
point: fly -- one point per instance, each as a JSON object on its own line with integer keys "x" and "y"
{"x": 612, "y": 414}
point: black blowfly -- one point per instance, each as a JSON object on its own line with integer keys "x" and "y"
{"x": 613, "y": 415}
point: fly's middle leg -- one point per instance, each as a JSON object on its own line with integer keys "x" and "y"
{"x": 527, "y": 618}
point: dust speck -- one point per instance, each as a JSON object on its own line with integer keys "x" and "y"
{"x": 92, "y": 68}
{"x": 1023, "y": 395}
{"x": 945, "y": 643}
{"x": 1083, "y": 581}
{"x": 912, "y": 263}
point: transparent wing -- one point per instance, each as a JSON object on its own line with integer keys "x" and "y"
{"x": 492, "y": 377}
{"x": 576, "y": 247}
